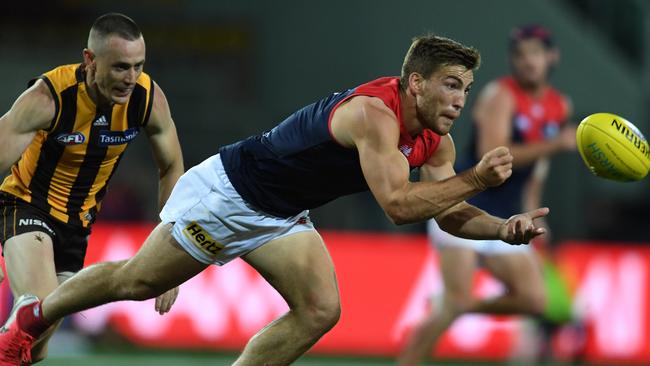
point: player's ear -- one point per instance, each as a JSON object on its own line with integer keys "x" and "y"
{"x": 89, "y": 56}
{"x": 415, "y": 82}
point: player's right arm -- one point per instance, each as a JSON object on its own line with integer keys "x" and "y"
{"x": 493, "y": 113}
{"x": 33, "y": 110}
{"x": 366, "y": 124}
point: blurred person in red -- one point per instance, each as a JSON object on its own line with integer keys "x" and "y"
{"x": 63, "y": 139}
{"x": 524, "y": 112}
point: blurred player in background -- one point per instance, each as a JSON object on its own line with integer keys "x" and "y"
{"x": 524, "y": 112}
{"x": 65, "y": 136}
{"x": 252, "y": 200}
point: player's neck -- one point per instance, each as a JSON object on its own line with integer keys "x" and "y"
{"x": 94, "y": 93}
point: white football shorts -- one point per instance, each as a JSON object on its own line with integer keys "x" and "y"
{"x": 214, "y": 224}
{"x": 441, "y": 238}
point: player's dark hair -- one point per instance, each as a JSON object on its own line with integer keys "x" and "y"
{"x": 530, "y": 31}
{"x": 428, "y": 53}
{"x": 116, "y": 23}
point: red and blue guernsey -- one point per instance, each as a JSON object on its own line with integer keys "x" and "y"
{"x": 534, "y": 120}
{"x": 298, "y": 165}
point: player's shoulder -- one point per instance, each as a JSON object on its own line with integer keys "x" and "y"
{"x": 363, "y": 117}
{"x": 62, "y": 77}
{"x": 39, "y": 96}
{"x": 362, "y": 108}
{"x": 371, "y": 107}
{"x": 559, "y": 94}
{"x": 158, "y": 100}
{"x": 35, "y": 108}
{"x": 559, "y": 98}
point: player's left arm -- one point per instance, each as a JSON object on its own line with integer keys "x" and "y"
{"x": 467, "y": 221}
{"x": 167, "y": 153}
{"x": 534, "y": 188}
{"x": 165, "y": 146}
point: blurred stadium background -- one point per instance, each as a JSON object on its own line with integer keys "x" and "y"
{"x": 235, "y": 68}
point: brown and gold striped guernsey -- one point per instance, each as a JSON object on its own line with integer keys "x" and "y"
{"x": 66, "y": 168}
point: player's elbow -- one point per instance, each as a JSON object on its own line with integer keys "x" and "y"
{"x": 398, "y": 213}
{"x": 445, "y": 224}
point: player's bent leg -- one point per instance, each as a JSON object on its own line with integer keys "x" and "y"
{"x": 40, "y": 347}
{"x": 299, "y": 267}
{"x": 457, "y": 265}
{"x": 159, "y": 265}
{"x": 29, "y": 258}
{"x": 520, "y": 272}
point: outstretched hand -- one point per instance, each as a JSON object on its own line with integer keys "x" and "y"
{"x": 520, "y": 229}
{"x": 165, "y": 301}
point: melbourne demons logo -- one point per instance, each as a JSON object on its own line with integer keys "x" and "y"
{"x": 75, "y": 138}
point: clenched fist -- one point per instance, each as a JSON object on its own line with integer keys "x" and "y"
{"x": 495, "y": 167}
{"x": 520, "y": 229}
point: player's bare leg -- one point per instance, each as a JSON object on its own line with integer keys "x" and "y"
{"x": 457, "y": 265}
{"x": 299, "y": 267}
{"x": 29, "y": 258}
{"x": 161, "y": 264}
{"x": 521, "y": 273}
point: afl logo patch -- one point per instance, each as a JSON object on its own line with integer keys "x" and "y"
{"x": 75, "y": 138}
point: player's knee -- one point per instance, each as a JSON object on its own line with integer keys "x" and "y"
{"x": 136, "y": 286}
{"x": 322, "y": 315}
{"x": 142, "y": 289}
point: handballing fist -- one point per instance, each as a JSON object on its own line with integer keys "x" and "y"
{"x": 495, "y": 167}
{"x": 520, "y": 229}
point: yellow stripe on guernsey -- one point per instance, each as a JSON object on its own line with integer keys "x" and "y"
{"x": 66, "y": 168}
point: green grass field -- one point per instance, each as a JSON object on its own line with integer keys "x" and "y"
{"x": 68, "y": 348}
{"x": 191, "y": 360}
{"x": 152, "y": 358}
